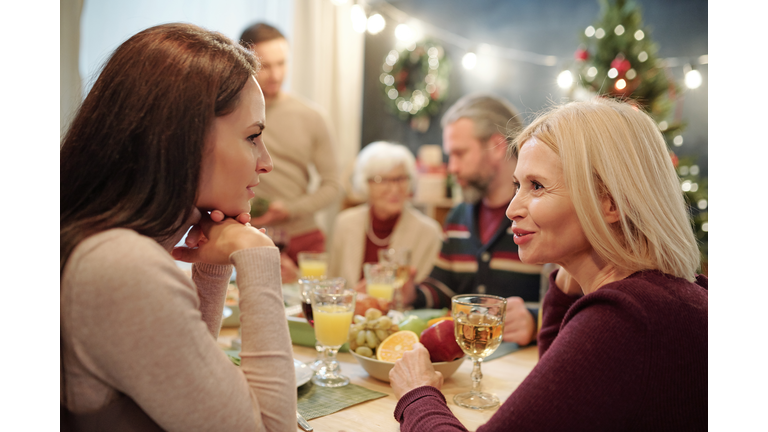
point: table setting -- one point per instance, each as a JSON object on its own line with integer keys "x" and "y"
{"x": 344, "y": 350}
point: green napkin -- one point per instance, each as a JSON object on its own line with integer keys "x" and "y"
{"x": 315, "y": 401}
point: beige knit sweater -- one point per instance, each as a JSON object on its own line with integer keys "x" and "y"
{"x": 415, "y": 231}
{"x": 297, "y": 135}
{"x": 133, "y": 322}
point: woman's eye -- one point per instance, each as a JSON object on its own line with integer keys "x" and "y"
{"x": 253, "y": 137}
{"x": 517, "y": 188}
{"x": 536, "y": 185}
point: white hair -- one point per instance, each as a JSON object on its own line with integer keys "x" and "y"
{"x": 378, "y": 158}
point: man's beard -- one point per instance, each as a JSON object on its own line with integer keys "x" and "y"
{"x": 475, "y": 190}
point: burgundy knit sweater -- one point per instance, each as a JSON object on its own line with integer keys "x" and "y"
{"x": 631, "y": 356}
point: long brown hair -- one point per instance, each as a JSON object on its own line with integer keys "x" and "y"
{"x": 132, "y": 155}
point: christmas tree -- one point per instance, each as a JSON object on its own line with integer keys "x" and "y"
{"x": 617, "y": 58}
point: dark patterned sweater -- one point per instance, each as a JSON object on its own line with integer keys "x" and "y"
{"x": 631, "y": 356}
{"x": 466, "y": 266}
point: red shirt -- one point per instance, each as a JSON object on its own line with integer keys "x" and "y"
{"x": 488, "y": 221}
{"x": 382, "y": 229}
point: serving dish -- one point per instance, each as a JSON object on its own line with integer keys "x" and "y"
{"x": 380, "y": 369}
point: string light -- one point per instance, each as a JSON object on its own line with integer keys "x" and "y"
{"x": 469, "y": 61}
{"x": 705, "y": 226}
{"x": 403, "y": 32}
{"x": 692, "y": 77}
{"x": 599, "y": 33}
{"x": 408, "y": 32}
{"x": 565, "y": 79}
{"x": 359, "y": 20}
{"x": 694, "y": 170}
{"x": 376, "y": 24}
{"x": 678, "y": 140}
{"x": 702, "y": 204}
{"x": 663, "y": 125}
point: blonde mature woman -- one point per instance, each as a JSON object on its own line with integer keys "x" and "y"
{"x": 623, "y": 344}
{"x": 385, "y": 174}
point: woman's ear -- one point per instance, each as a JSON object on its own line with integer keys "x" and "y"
{"x": 610, "y": 212}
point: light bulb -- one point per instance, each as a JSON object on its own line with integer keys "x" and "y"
{"x": 565, "y": 79}
{"x": 359, "y": 20}
{"x": 639, "y": 35}
{"x": 612, "y": 73}
{"x": 403, "y": 32}
{"x": 376, "y": 24}
{"x": 590, "y": 31}
{"x": 620, "y": 84}
{"x": 619, "y": 30}
{"x": 469, "y": 61}
{"x": 693, "y": 79}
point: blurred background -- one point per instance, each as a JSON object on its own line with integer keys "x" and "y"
{"x": 388, "y": 70}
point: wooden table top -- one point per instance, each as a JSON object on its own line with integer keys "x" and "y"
{"x": 500, "y": 376}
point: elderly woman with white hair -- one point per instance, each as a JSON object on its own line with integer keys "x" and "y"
{"x": 623, "y": 344}
{"x": 385, "y": 175}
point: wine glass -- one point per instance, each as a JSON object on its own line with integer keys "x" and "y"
{"x": 401, "y": 260}
{"x": 379, "y": 280}
{"x": 478, "y": 327}
{"x": 333, "y": 306}
{"x": 305, "y": 290}
{"x": 312, "y": 265}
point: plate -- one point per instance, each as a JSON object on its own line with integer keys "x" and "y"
{"x": 303, "y": 373}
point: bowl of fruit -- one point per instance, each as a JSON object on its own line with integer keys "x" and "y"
{"x": 377, "y": 342}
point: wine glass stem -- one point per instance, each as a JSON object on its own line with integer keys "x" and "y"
{"x": 330, "y": 357}
{"x": 476, "y": 375}
{"x": 320, "y": 350}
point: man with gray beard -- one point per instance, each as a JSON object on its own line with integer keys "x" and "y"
{"x": 479, "y": 254}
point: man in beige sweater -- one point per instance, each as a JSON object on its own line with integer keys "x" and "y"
{"x": 298, "y": 136}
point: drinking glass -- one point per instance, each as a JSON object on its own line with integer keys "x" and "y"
{"x": 313, "y": 265}
{"x": 401, "y": 260}
{"x": 305, "y": 289}
{"x": 478, "y": 327}
{"x": 379, "y": 280}
{"x": 333, "y": 306}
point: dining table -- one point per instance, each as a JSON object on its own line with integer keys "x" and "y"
{"x": 501, "y": 376}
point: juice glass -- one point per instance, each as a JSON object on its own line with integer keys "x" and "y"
{"x": 379, "y": 280}
{"x": 333, "y": 306}
{"x": 305, "y": 289}
{"x": 313, "y": 265}
{"x": 478, "y": 327}
{"x": 401, "y": 260}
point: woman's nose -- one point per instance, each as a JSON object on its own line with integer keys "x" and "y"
{"x": 264, "y": 162}
{"x": 514, "y": 209}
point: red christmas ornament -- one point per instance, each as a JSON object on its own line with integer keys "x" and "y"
{"x": 675, "y": 161}
{"x": 621, "y": 65}
{"x": 581, "y": 54}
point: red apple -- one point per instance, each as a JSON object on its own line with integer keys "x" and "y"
{"x": 440, "y": 341}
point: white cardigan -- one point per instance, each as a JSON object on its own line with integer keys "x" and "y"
{"x": 415, "y": 231}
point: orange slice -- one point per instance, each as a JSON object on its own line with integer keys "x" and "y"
{"x": 393, "y": 347}
{"x": 437, "y": 320}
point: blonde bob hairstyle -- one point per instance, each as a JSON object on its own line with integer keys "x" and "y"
{"x": 612, "y": 149}
{"x": 380, "y": 157}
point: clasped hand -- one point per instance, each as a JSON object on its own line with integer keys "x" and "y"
{"x": 213, "y": 238}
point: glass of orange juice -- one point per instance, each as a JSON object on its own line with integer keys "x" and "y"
{"x": 333, "y": 306}
{"x": 313, "y": 265}
{"x": 380, "y": 280}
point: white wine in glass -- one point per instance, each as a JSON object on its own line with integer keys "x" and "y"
{"x": 479, "y": 325}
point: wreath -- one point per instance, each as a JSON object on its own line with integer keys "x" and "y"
{"x": 415, "y": 82}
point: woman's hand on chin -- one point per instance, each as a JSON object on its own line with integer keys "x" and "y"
{"x": 215, "y": 237}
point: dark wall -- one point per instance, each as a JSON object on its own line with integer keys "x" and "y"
{"x": 553, "y": 27}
